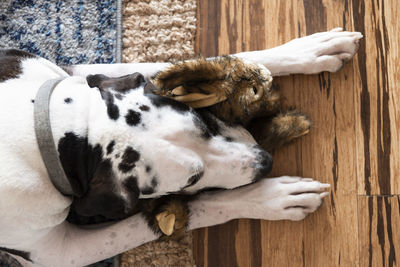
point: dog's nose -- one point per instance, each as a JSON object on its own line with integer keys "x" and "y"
{"x": 264, "y": 165}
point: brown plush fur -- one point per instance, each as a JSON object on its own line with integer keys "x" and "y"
{"x": 246, "y": 87}
{"x": 250, "y": 98}
{"x": 173, "y": 204}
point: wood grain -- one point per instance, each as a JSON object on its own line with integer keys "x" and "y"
{"x": 354, "y": 144}
{"x": 378, "y": 123}
{"x": 379, "y": 224}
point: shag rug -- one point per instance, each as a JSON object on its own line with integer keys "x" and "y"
{"x": 159, "y": 31}
{"x": 65, "y": 32}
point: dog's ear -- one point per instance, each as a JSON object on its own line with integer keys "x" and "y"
{"x": 120, "y": 84}
{"x": 197, "y": 83}
{"x": 107, "y": 196}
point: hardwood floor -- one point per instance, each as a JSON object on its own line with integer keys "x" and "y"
{"x": 354, "y": 144}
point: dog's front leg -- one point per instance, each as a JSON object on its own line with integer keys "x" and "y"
{"x": 70, "y": 245}
{"x": 283, "y": 198}
{"x": 323, "y": 51}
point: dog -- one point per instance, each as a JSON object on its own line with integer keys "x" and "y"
{"x": 120, "y": 146}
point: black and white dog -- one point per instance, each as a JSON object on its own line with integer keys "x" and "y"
{"x": 117, "y": 147}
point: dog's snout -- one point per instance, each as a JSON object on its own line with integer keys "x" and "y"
{"x": 264, "y": 165}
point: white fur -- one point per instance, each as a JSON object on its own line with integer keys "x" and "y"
{"x": 33, "y": 211}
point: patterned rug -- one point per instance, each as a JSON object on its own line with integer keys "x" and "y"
{"x": 65, "y": 32}
{"x": 76, "y": 31}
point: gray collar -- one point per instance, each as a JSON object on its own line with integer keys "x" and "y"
{"x": 44, "y": 137}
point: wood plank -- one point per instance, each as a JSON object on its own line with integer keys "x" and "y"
{"x": 254, "y": 244}
{"x": 281, "y": 235}
{"x": 377, "y": 112}
{"x": 379, "y": 224}
{"x": 328, "y": 153}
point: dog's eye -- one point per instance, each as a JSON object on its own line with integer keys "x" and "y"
{"x": 254, "y": 90}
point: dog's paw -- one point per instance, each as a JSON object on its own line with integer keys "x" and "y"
{"x": 283, "y": 198}
{"x": 323, "y": 51}
{"x": 302, "y": 196}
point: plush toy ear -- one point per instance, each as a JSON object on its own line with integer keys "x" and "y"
{"x": 195, "y": 100}
{"x": 197, "y": 83}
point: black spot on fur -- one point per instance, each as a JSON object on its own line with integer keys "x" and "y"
{"x": 68, "y": 100}
{"x": 207, "y": 123}
{"x": 154, "y": 182}
{"x": 10, "y": 63}
{"x": 131, "y": 184}
{"x": 132, "y": 118}
{"x": 194, "y": 179}
{"x": 228, "y": 139}
{"x": 79, "y": 160}
{"x": 148, "y": 190}
{"x": 119, "y": 96}
{"x": 104, "y": 197}
{"x": 148, "y": 168}
{"x": 160, "y": 101}
{"x": 112, "y": 109}
{"x": 265, "y": 168}
{"x": 129, "y": 159}
{"x": 33, "y": 101}
{"x": 144, "y": 108}
{"x": 23, "y": 254}
{"x": 110, "y": 147}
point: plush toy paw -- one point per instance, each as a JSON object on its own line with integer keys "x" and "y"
{"x": 173, "y": 218}
{"x": 281, "y": 129}
{"x": 168, "y": 215}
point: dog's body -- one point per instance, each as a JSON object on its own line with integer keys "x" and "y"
{"x": 119, "y": 146}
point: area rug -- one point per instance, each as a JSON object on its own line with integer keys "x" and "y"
{"x": 65, "y": 32}
{"x": 159, "y": 31}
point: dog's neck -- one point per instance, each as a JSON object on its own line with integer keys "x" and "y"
{"x": 72, "y": 104}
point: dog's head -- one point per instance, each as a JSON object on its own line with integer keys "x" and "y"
{"x": 144, "y": 146}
